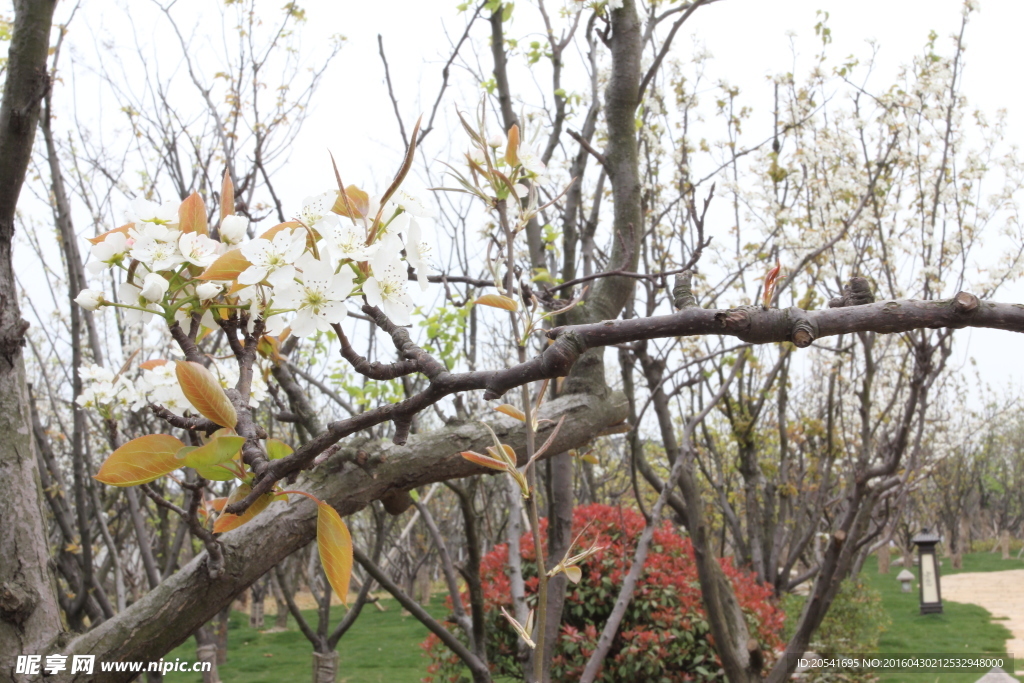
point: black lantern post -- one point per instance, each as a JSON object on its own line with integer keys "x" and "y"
{"x": 931, "y": 594}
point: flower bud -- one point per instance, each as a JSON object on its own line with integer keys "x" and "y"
{"x": 154, "y": 286}
{"x": 89, "y": 299}
{"x": 208, "y": 290}
{"x": 233, "y": 229}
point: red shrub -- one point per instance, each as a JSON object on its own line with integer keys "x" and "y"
{"x": 664, "y": 635}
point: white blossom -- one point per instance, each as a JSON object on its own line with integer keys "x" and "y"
{"x": 160, "y": 386}
{"x": 386, "y": 287}
{"x": 103, "y": 392}
{"x": 144, "y": 211}
{"x": 317, "y": 207}
{"x": 208, "y": 290}
{"x": 198, "y": 249}
{"x": 347, "y": 240}
{"x": 131, "y": 295}
{"x": 108, "y": 252}
{"x": 156, "y": 246}
{"x": 319, "y": 300}
{"x": 154, "y": 286}
{"x": 272, "y": 259}
{"x": 412, "y": 205}
{"x": 417, "y": 252}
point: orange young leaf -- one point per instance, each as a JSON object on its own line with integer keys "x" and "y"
{"x": 226, "y": 267}
{"x": 335, "y": 545}
{"x": 358, "y": 200}
{"x": 151, "y": 364}
{"x": 217, "y": 503}
{"x": 511, "y": 411}
{"x": 227, "y": 196}
{"x": 123, "y": 229}
{"x": 203, "y": 391}
{"x": 512, "y": 149}
{"x": 508, "y": 455}
{"x": 192, "y": 215}
{"x": 287, "y": 225}
{"x": 484, "y": 461}
{"x": 498, "y": 301}
{"x": 769, "y": 283}
{"x": 227, "y": 521}
{"x": 268, "y": 347}
{"x": 141, "y": 460}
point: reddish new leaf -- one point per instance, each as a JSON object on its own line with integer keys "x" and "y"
{"x": 227, "y": 196}
{"x": 226, "y": 267}
{"x": 203, "y": 391}
{"x": 484, "y": 461}
{"x": 769, "y": 284}
{"x": 335, "y": 545}
{"x": 355, "y": 199}
{"x": 123, "y": 229}
{"x": 498, "y": 301}
{"x": 192, "y": 215}
{"x": 512, "y": 149}
{"x": 511, "y": 411}
{"x": 227, "y": 521}
{"x": 141, "y": 460}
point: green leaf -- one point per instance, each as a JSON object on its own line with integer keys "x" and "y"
{"x": 220, "y": 448}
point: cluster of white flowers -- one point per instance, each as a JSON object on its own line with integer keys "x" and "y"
{"x": 296, "y": 275}
{"x": 110, "y": 394}
{"x": 105, "y": 392}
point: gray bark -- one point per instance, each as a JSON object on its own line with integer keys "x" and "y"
{"x": 29, "y": 615}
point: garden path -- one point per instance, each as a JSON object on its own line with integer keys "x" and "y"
{"x": 1002, "y": 594}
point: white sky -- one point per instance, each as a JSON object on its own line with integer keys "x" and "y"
{"x": 748, "y": 38}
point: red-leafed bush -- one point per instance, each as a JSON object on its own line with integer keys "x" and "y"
{"x": 664, "y": 635}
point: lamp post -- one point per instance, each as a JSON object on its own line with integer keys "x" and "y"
{"x": 931, "y": 594}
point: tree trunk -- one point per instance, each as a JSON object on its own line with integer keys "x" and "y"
{"x": 222, "y": 633}
{"x": 325, "y": 667}
{"x": 29, "y": 615}
{"x": 883, "y": 559}
{"x": 281, "y": 620}
{"x": 259, "y": 595}
{"x": 256, "y": 613}
{"x": 422, "y": 586}
{"x": 1004, "y": 542}
{"x": 206, "y": 651}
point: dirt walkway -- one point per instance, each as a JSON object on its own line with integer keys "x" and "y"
{"x": 1002, "y": 594}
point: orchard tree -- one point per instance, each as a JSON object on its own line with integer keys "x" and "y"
{"x": 564, "y": 242}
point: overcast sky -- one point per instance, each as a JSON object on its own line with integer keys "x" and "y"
{"x": 749, "y": 39}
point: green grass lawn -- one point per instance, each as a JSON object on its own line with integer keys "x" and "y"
{"x": 961, "y": 628}
{"x": 382, "y": 647}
